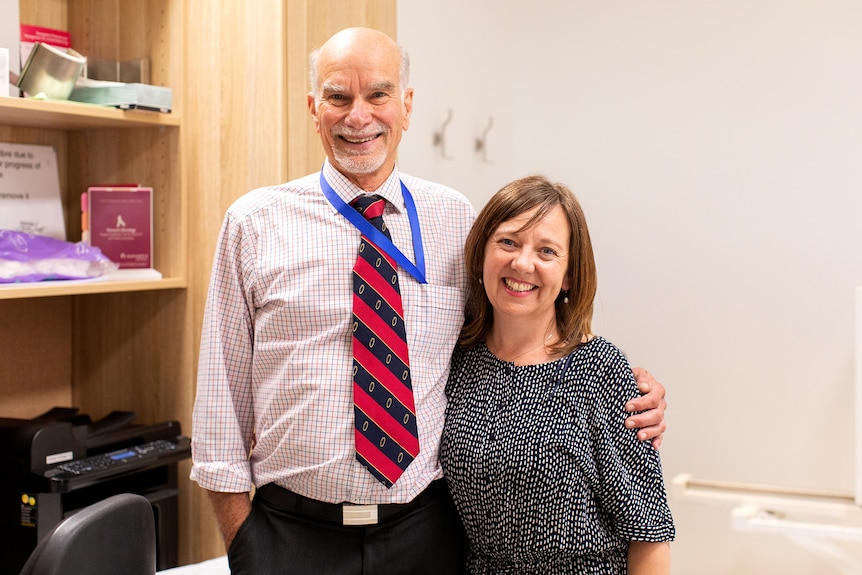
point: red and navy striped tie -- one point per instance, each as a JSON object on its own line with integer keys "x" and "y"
{"x": 386, "y": 437}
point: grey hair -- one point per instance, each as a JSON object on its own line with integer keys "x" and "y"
{"x": 314, "y": 57}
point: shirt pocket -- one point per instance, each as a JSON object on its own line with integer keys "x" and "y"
{"x": 434, "y": 315}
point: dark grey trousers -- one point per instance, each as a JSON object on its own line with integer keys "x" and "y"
{"x": 428, "y": 540}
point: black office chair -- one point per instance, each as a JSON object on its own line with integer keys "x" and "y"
{"x": 114, "y": 536}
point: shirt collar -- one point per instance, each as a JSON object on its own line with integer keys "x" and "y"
{"x": 390, "y": 190}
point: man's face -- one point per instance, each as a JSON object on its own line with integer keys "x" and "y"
{"x": 358, "y": 109}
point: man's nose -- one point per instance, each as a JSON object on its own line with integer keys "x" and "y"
{"x": 360, "y": 114}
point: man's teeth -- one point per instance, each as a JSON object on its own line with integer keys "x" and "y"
{"x": 518, "y": 286}
{"x": 359, "y": 141}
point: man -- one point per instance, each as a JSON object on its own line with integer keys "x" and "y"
{"x": 275, "y": 405}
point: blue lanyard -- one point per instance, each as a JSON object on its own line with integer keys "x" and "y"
{"x": 378, "y": 237}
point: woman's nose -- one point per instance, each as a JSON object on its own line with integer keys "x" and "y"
{"x": 523, "y": 261}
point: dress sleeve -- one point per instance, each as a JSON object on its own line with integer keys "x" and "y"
{"x": 630, "y": 486}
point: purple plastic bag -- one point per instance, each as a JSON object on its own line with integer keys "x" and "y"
{"x": 30, "y": 258}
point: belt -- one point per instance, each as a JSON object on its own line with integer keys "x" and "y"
{"x": 344, "y": 513}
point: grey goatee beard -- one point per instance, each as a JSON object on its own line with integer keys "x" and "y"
{"x": 359, "y": 164}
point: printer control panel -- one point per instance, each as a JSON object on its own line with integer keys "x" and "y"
{"x": 110, "y": 463}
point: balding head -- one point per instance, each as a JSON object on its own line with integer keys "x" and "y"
{"x": 351, "y": 39}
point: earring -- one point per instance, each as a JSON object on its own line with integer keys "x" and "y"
{"x": 480, "y": 281}
{"x": 566, "y": 296}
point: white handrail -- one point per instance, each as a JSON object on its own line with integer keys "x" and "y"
{"x": 735, "y": 490}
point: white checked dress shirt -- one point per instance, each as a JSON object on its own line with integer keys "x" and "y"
{"x": 276, "y": 346}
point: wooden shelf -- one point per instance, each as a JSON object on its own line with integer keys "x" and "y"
{"x": 65, "y": 115}
{"x": 77, "y": 287}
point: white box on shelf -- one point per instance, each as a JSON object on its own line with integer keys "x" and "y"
{"x": 123, "y": 95}
{"x": 4, "y": 71}
{"x": 10, "y": 38}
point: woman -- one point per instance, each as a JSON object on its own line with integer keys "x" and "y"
{"x": 543, "y": 472}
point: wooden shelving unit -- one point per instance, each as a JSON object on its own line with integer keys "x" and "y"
{"x": 122, "y": 343}
{"x": 66, "y": 343}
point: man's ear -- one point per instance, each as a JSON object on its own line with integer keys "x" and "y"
{"x": 312, "y": 109}
{"x": 408, "y": 108}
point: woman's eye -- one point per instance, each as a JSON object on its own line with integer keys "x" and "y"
{"x": 548, "y": 252}
{"x": 507, "y": 242}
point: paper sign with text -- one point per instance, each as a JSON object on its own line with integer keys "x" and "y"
{"x": 30, "y": 190}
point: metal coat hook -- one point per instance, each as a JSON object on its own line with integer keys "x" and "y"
{"x": 440, "y": 137}
{"x": 481, "y": 142}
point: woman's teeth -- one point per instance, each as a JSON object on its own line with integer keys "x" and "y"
{"x": 518, "y": 286}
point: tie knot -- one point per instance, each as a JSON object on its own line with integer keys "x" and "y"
{"x": 370, "y": 206}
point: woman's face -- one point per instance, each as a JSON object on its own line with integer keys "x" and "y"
{"x": 524, "y": 270}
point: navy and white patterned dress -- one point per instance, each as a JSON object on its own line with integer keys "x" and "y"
{"x": 544, "y": 474}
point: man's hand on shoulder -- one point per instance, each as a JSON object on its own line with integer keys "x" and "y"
{"x": 651, "y": 406}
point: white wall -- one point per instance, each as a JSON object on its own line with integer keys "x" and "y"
{"x": 447, "y": 76}
{"x": 717, "y": 149}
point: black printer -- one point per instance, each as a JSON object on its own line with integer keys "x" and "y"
{"x": 62, "y": 461}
